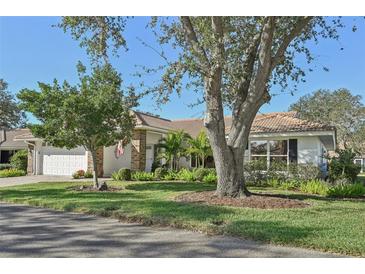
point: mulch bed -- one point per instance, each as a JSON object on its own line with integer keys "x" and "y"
{"x": 261, "y": 201}
{"x": 90, "y": 188}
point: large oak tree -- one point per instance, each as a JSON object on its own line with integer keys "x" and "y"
{"x": 235, "y": 61}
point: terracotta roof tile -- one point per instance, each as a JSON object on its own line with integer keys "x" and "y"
{"x": 263, "y": 123}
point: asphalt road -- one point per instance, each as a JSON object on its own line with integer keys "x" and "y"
{"x": 37, "y": 232}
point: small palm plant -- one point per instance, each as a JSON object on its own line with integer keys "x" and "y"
{"x": 200, "y": 147}
{"x": 173, "y": 147}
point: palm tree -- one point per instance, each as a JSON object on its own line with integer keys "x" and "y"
{"x": 173, "y": 147}
{"x": 200, "y": 147}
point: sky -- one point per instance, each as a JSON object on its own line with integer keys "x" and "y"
{"x": 31, "y": 50}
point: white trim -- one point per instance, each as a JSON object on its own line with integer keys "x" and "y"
{"x": 291, "y": 134}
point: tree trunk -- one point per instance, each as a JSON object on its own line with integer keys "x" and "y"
{"x": 95, "y": 168}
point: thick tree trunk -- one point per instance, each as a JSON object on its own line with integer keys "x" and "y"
{"x": 95, "y": 168}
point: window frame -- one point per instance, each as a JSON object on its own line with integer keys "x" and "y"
{"x": 268, "y": 155}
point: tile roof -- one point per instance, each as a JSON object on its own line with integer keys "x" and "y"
{"x": 7, "y": 137}
{"x": 145, "y": 119}
{"x": 263, "y": 123}
{"x": 274, "y": 122}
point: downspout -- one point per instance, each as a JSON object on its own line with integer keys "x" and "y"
{"x": 34, "y": 157}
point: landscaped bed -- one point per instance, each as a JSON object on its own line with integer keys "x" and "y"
{"x": 261, "y": 201}
{"x": 328, "y": 224}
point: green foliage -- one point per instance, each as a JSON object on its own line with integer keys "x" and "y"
{"x": 12, "y": 172}
{"x": 160, "y": 173}
{"x": 200, "y": 173}
{"x": 142, "y": 176}
{"x": 349, "y": 190}
{"x": 210, "y": 178}
{"x": 173, "y": 147}
{"x": 342, "y": 109}
{"x": 305, "y": 172}
{"x": 20, "y": 160}
{"x": 255, "y": 172}
{"x": 170, "y": 175}
{"x": 96, "y": 33}
{"x": 123, "y": 174}
{"x": 92, "y": 114}
{"x": 200, "y": 147}
{"x": 10, "y": 114}
{"x": 88, "y": 174}
{"x": 289, "y": 185}
{"x": 343, "y": 166}
{"x": 186, "y": 175}
{"x": 5, "y": 166}
{"x": 315, "y": 187}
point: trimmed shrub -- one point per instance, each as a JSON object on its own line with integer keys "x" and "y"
{"x": 123, "y": 174}
{"x": 343, "y": 166}
{"x": 210, "y": 178}
{"x": 5, "y": 166}
{"x": 142, "y": 176}
{"x": 186, "y": 175}
{"x": 12, "y": 172}
{"x": 88, "y": 174}
{"x": 349, "y": 190}
{"x": 19, "y": 160}
{"x": 255, "y": 173}
{"x": 160, "y": 173}
{"x": 315, "y": 187}
{"x": 305, "y": 172}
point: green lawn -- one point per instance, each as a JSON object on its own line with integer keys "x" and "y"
{"x": 328, "y": 225}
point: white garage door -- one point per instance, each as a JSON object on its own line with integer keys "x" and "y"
{"x": 63, "y": 162}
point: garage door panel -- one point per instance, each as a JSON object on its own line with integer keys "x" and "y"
{"x": 59, "y": 162}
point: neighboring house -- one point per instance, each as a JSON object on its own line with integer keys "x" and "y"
{"x": 274, "y": 137}
{"x": 7, "y": 144}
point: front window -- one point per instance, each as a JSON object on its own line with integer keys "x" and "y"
{"x": 259, "y": 148}
{"x": 270, "y": 152}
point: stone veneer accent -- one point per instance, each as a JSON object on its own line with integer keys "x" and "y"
{"x": 138, "y": 161}
{"x": 100, "y": 161}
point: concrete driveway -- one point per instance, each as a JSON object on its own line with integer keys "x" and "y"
{"x": 36, "y": 232}
{"x": 22, "y": 180}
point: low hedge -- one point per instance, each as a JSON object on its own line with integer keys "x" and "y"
{"x": 12, "y": 172}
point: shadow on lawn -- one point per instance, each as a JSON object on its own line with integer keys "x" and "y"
{"x": 303, "y": 196}
{"x": 171, "y": 186}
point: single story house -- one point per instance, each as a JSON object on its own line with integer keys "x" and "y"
{"x": 8, "y": 146}
{"x": 279, "y": 136}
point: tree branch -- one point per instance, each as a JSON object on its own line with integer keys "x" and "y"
{"x": 217, "y": 26}
{"x": 192, "y": 39}
{"x": 297, "y": 29}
